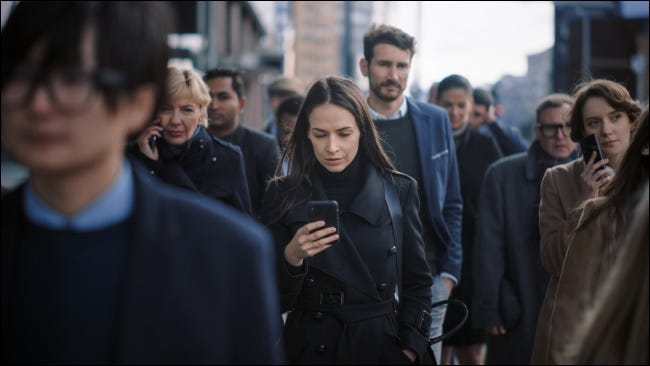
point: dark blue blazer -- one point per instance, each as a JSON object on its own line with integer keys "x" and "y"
{"x": 442, "y": 199}
{"x": 200, "y": 283}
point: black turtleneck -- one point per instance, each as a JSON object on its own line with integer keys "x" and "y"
{"x": 344, "y": 186}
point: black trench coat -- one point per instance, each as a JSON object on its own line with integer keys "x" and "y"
{"x": 343, "y": 300}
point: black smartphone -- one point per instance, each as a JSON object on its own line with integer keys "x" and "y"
{"x": 588, "y": 145}
{"x": 152, "y": 141}
{"x": 327, "y": 211}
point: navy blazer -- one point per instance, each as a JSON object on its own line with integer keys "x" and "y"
{"x": 200, "y": 285}
{"x": 442, "y": 199}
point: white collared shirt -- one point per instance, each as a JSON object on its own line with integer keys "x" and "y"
{"x": 399, "y": 113}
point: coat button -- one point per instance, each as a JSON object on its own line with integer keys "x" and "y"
{"x": 214, "y": 159}
{"x": 392, "y": 250}
{"x": 321, "y": 348}
{"x": 382, "y": 286}
{"x": 318, "y": 315}
{"x": 309, "y": 281}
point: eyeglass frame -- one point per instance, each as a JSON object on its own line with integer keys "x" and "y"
{"x": 565, "y": 127}
{"x": 95, "y": 80}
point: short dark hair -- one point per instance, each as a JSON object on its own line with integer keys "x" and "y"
{"x": 553, "y": 101}
{"x": 483, "y": 97}
{"x": 454, "y": 81}
{"x": 378, "y": 34}
{"x": 130, "y": 39}
{"x": 291, "y": 105}
{"x": 235, "y": 75}
{"x": 614, "y": 94}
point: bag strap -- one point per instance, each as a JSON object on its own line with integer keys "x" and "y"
{"x": 395, "y": 210}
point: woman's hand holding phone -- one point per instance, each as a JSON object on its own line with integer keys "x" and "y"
{"x": 596, "y": 175}
{"x": 308, "y": 241}
{"x": 145, "y": 144}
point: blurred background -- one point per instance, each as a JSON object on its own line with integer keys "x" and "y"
{"x": 519, "y": 50}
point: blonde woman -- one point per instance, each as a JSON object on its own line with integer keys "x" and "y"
{"x": 180, "y": 151}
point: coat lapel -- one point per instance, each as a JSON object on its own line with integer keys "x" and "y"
{"x": 342, "y": 260}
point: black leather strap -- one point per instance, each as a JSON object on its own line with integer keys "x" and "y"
{"x": 396, "y": 218}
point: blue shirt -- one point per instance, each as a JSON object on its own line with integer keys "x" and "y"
{"x": 111, "y": 207}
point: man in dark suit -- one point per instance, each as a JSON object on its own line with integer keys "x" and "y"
{"x": 102, "y": 263}
{"x": 261, "y": 150}
{"x": 418, "y": 139}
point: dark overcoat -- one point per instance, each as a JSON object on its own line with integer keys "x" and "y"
{"x": 200, "y": 284}
{"x": 343, "y": 302}
{"x": 208, "y": 165}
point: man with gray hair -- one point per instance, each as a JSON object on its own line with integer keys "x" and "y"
{"x": 506, "y": 250}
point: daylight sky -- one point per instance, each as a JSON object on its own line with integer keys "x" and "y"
{"x": 479, "y": 40}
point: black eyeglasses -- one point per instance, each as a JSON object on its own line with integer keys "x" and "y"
{"x": 549, "y": 131}
{"x": 70, "y": 90}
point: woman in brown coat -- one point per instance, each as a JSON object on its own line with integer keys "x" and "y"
{"x": 606, "y": 109}
{"x": 591, "y": 260}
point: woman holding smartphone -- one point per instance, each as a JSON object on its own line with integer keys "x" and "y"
{"x": 606, "y": 109}
{"x": 180, "y": 151}
{"x": 365, "y": 299}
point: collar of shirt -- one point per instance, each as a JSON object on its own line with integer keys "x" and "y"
{"x": 401, "y": 112}
{"x": 111, "y": 207}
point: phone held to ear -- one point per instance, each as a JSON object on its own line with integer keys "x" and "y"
{"x": 588, "y": 145}
{"x": 327, "y": 211}
{"x": 152, "y": 142}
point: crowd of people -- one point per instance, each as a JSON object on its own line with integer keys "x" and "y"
{"x": 156, "y": 227}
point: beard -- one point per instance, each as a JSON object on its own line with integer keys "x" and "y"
{"x": 376, "y": 89}
{"x": 220, "y": 123}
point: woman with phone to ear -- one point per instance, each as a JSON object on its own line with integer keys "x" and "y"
{"x": 595, "y": 246}
{"x": 178, "y": 149}
{"x": 365, "y": 299}
{"x": 606, "y": 109}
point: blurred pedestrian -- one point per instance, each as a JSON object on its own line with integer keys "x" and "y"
{"x": 615, "y": 329}
{"x": 261, "y": 151}
{"x": 280, "y": 89}
{"x": 286, "y": 117}
{"x": 475, "y": 153}
{"x": 606, "y": 109}
{"x": 366, "y": 298}
{"x": 185, "y": 154}
{"x": 101, "y": 263}
{"x": 418, "y": 139}
{"x": 484, "y": 119}
{"x": 506, "y": 249}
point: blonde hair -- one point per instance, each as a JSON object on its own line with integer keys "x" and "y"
{"x": 187, "y": 83}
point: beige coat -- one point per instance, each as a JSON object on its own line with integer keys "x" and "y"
{"x": 561, "y": 193}
{"x": 584, "y": 256}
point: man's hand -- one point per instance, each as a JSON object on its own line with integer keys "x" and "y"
{"x": 410, "y": 354}
{"x": 449, "y": 285}
{"x": 496, "y": 330}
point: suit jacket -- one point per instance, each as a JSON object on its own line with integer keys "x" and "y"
{"x": 356, "y": 279}
{"x": 200, "y": 284}
{"x": 442, "y": 198}
{"x": 261, "y": 155}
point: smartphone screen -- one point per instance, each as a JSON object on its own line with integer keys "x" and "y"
{"x": 327, "y": 211}
{"x": 588, "y": 145}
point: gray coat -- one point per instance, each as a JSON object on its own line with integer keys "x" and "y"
{"x": 507, "y": 256}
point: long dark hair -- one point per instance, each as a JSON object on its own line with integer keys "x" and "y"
{"x": 629, "y": 178}
{"x": 299, "y": 150}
